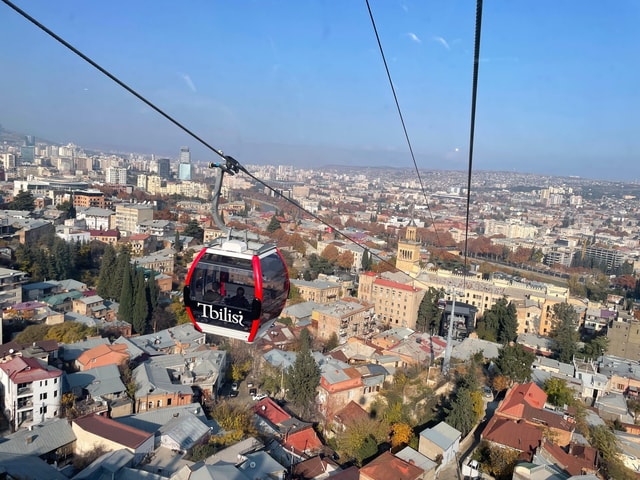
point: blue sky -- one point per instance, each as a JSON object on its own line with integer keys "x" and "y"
{"x": 302, "y": 82}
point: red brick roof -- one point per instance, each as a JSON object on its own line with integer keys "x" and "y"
{"x": 514, "y": 401}
{"x": 398, "y": 286}
{"x": 270, "y": 410}
{"x": 352, "y": 412}
{"x": 27, "y": 370}
{"x": 303, "y": 441}
{"x": 515, "y": 434}
{"x": 387, "y": 466}
{"x": 104, "y": 233}
{"x": 103, "y": 355}
{"x": 581, "y": 460}
{"x": 313, "y": 467}
{"x": 111, "y": 430}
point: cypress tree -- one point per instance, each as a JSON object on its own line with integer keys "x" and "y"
{"x": 125, "y": 311}
{"x": 123, "y": 267}
{"x": 140, "y": 311}
{"x": 304, "y": 376}
{"x": 153, "y": 292}
{"x": 107, "y": 272}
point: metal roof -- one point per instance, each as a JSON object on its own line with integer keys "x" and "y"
{"x": 40, "y": 439}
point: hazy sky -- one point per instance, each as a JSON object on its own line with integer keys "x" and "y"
{"x": 302, "y": 82}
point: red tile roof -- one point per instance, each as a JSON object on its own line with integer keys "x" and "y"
{"x": 387, "y": 466}
{"x": 104, "y": 233}
{"x": 27, "y": 370}
{"x": 303, "y": 441}
{"x": 514, "y": 401}
{"x": 270, "y": 410}
{"x": 382, "y": 282}
{"x": 111, "y": 430}
{"x": 313, "y": 467}
{"x": 515, "y": 434}
{"x": 581, "y": 461}
{"x": 352, "y": 412}
{"x": 103, "y": 355}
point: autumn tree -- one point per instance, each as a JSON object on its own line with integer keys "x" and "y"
{"x": 330, "y": 254}
{"x": 401, "y": 434}
{"x": 345, "y": 260}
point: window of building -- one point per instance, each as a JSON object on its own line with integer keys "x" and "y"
{"x": 43, "y": 396}
{"x": 55, "y": 394}
{"x": 168, "y": 402}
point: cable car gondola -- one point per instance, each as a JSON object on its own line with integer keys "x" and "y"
{"x": 235, "y": 287}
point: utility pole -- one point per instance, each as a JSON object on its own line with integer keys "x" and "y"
{"x": 447, "y": 352}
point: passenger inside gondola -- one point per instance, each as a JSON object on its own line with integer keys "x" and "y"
{"x": 212, "y": 293}
{"x": 239, "y": 300}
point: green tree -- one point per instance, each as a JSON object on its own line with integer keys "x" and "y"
{"x": 596, "y": 346}
{"x": 153, "y": 292}
{"x": 359, "y": 441}
{"x": 429, "y": 315}
{"x": 564, "y": 331}
{"x": 107, "y": 272}
{"x": 68, "y": 208}
{"x": 332, "y": 342}
{"x": 274, "y": 224}
{"x": 125, "y": 311}
{"x": 303, "y": 378}
{"x": 140, "y": 311}
{"x": 558, "y": 393}
{"x": 460, "y": 414}
{"x": 123, "y": 268}
{"x": 576, "y": 288}
{"x": 193, "y": 229}
{"x": 365, "y": 263}
{"x": 69, "y": 332}
{"x": 499, "y": 323}
{"x": 515, "y": 363}
{"x": 23, "y": 201}
{"x": 33, "y": 333}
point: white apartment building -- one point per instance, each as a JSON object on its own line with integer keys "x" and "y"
{"x": 116, "y": 176}
{"x": 31, "y": 391}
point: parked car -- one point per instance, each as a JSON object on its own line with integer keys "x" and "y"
{"x": 259, "y": 396}
{"x": 233, "y": 393}
{"x": 487, "y": 392}
{"x": 234, "y": 386}
{"x": 253, "y": 391}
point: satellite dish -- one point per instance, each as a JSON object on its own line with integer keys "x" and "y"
{"x": 252, "y": 465}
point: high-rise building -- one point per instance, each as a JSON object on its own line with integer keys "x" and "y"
{"x": 28, "y": 151}
{"x": 184, "y": 167}
{"x": 116, "y": 176}
{"x": 164, "y": 168}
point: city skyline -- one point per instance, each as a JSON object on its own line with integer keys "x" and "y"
{"x": 556, "y": 92}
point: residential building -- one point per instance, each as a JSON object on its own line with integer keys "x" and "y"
{"x": 101, "y": 356}
{"x": 97, "y": 431}
{"x": 140, "y": 244}
{"x": 11, "y": 282}
{"x": 31, "y": 391}
{"x": 318, "y": 291}
{"x": 156, "y": 389}
{"x": 97, "y": 218}
{"x": 130, "y": 215}
{"x": 388, "y": 466}
{"x": 396, "y": 304}
{"x": 440, "y": 443}
{"x": 116, "y": 176}
{"x": 90, "y": 198}
{"x": 92, "y": 306}
{"x": 624, "y": 338}
{"x": 343, "y": 318}
{"x": 51, "y": 440}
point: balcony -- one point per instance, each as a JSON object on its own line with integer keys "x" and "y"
{"x": 25, "y": 405}
{"x": 25, "y": 391}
